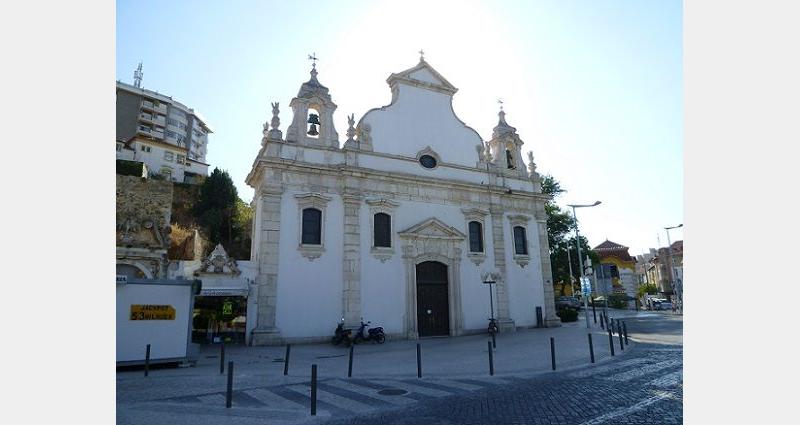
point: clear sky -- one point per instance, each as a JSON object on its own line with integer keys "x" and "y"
{"x": 594, "y": 88}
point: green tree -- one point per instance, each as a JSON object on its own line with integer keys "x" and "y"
{"x": 560, "y": 236}
{"x": 216, "y": 207}
{"x": 647, "y": 288}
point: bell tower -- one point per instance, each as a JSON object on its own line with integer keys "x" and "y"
{"x": 506, "y": 149}
{"x": 313, "y": 109}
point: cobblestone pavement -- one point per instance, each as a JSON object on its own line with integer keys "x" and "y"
{"x": 643, "y": 386}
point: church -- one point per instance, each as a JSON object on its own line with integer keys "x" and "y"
{"x": 401, "y": 224}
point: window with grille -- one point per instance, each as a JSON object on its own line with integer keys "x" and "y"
{"x": 475, "y": 237}
{"x": 383, "y": 230}
{"x": 312, "y": 227}
{"x": 520, "y": 241}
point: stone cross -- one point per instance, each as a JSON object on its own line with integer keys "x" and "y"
{"x": 421, "y": 55}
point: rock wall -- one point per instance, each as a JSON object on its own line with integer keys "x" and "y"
{"x": 144, "y": 208}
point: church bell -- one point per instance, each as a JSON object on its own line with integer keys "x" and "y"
{"x": 313, "y": 119}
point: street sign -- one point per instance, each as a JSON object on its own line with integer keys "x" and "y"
{"x": 586, "y": 286}
{"x": 152, "y": 312}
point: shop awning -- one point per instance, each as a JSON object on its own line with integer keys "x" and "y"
{"x": 223, "y": 292}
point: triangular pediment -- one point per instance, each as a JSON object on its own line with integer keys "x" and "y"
{"x": 432, "y": 228}
{"x": 218, "y": 262}
{"x": 423, "y": 75}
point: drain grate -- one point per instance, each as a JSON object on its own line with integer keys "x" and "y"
{"x": 331, "y": 357}
{"x": 392, "y": 391}
{"x": 277, "y": 360}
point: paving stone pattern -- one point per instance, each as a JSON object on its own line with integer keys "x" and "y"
{"x": 643, "y": 387}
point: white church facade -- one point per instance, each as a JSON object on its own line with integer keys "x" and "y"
{"x": 400, "y": 225}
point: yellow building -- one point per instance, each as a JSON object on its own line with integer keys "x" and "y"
{"x": 617, "y": 267}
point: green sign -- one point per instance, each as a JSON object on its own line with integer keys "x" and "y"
{"x": 227, "y": 308}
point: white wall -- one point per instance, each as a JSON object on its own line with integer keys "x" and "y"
{"x": 167, "y": 338}
{"x": 309, "y": 292}
{"x": 525, "y": 285}
{"x": 421, "y": 118}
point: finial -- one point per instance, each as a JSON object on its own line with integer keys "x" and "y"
{"x": 275, "y": 120}
{"x": 313, "y": 57}
{"x": 137, "y": 76}
{"x": 273, "y": 134}
{"x": 351, "y": 131}
{"x": 531, "y": 164}
{"x": 421, "y": 55}
{"x": 500, "y": 101}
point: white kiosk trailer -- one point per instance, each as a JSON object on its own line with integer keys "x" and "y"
{"x": 156, "y": 312}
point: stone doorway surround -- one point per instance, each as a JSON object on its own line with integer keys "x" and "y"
{"x": 432, "y": 240}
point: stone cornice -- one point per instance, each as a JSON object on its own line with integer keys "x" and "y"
{"x": 312, "y": 200}
{"x": 409, "y": 159}
{"x": 382, "y": 203}
{"x": 421, "y": 181}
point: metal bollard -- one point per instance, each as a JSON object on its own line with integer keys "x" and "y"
{"x": 313, "y": 390}
{"x": 147, "y": 360}
{"x": 229, "y": 393}
{"x": 222, "y": 358}
{"x": 619, "y": 332}
{"x": 491, "y": 359}
{"x": 594, "y": 313}
{"x": 419, "y": 362}
{"x": 625, "y": 331}
{"x": 286, "y": 360}
{"x": 350, "y": 364}
{"x": 591, "y": 348}
{"x": 494, "y": 343}
{"x": 602, "y": 321}
{"x": 553, "y": 352}
{"x": 610, "y": 341}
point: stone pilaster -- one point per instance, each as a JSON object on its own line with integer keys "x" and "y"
{"x": 266, "y": 332}
{"x": 351, "y": 288}
{"x": 550, "y": 318}
{"x": 504, "y": 321}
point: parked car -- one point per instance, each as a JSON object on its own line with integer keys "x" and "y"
{"x": 663, "y": 305}
{"x": 570, "y": 302}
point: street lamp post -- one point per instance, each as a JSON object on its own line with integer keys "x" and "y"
{"x": 678, "y": 291}
{"x": 580, "y": 259}
{"x": 571, "y": 279}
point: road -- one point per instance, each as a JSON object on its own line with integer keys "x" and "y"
{"x": 643, "y": 387}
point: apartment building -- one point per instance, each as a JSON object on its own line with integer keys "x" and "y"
{"x": 170, "y": 138}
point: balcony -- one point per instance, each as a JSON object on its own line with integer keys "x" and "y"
{"x": 150, "y": 132}
{"x": 148, "y": 105}
{"x": 153, "y": 119}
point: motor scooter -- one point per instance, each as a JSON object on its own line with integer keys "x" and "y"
{"x": 341, "y": 335}
{"x": 373, "y": 334}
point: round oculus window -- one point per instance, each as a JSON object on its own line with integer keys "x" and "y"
{"x": 427, "y": 161}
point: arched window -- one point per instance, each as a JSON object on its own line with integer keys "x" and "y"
{"x": 313, "y": 124}
{"x": 510, "y": 159}
{"x": 312, "y": 227}
{"x": 382, "y": 230}
{"x": 520, "y": 241}
{"x": 475, "y": 237}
